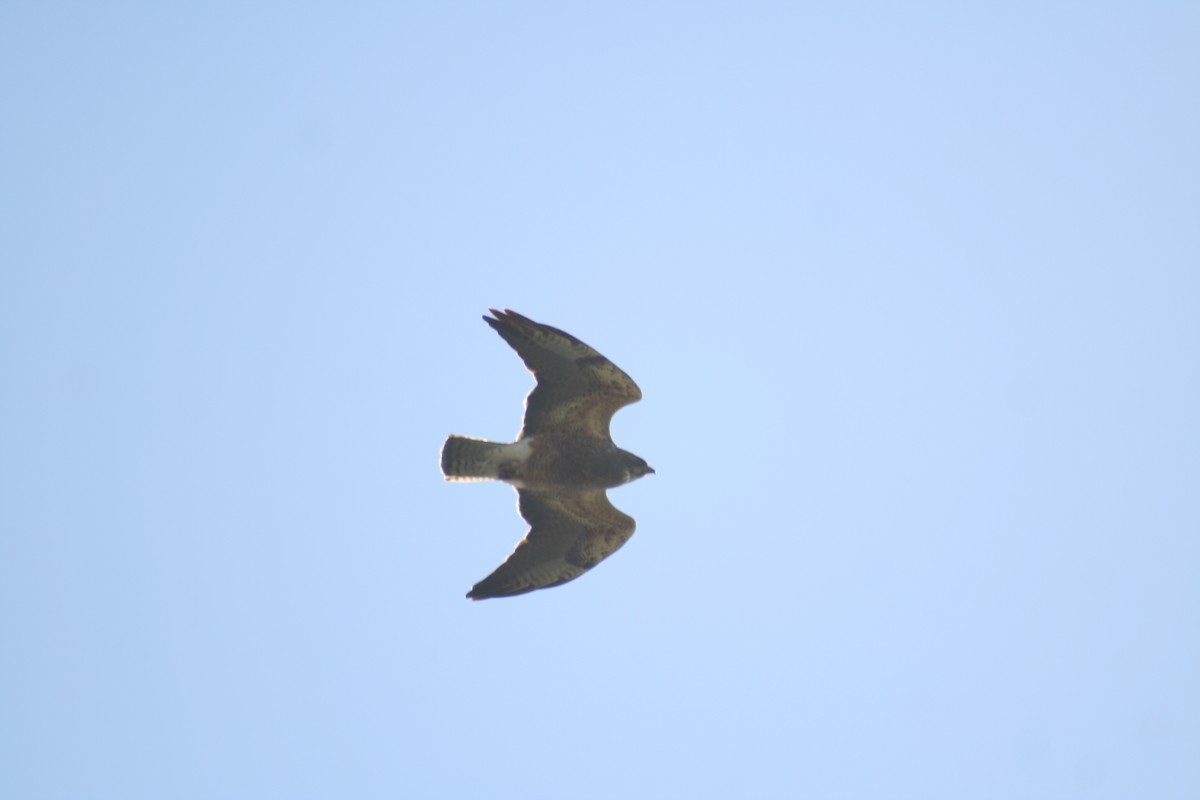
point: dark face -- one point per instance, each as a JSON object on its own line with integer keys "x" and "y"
{"x": 636, "y": 467}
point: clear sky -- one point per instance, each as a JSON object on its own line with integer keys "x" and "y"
{"x": 912, "y": 293}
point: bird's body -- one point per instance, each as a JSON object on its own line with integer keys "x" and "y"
{"x": 550, "y": 461}
{"x": 562, "y": 462}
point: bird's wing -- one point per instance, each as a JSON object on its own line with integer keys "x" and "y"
{"x": 569, "y": 533}
{"x": 577, "y": 388}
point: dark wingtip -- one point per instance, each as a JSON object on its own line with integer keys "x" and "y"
{"x": 488, "y": 589}
{"x": 497, "y": 322}
{"x": 508, "y": 315}
{"x": 480, "y": 591}
{"x": 509, "y": 320}
{"x": 503, "y": 318}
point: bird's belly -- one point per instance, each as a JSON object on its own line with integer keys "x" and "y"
{"x": 571, "y": 464}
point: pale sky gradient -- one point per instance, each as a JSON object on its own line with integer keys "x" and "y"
{"x": 913, "y": 295}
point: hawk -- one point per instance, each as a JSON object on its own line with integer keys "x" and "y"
{"x": 561, "y": 463}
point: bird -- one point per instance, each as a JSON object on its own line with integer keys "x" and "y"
{"x": 562, "y": 462}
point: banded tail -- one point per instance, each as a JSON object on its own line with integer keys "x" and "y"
{"x": 466, "y": 459}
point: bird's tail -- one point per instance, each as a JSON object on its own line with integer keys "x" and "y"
{"x": 467, "y": 459}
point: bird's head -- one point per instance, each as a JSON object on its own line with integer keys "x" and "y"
{"x": 635, "y": 467}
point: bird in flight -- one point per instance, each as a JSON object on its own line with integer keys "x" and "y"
{"x": 561, "y": 463}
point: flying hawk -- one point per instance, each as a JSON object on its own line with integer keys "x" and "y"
{"x": 562, "y": 462}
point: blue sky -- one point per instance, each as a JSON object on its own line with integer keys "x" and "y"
{"x": 912, "y": 293}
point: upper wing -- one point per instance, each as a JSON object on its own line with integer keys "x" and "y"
{"x": 577, "y": 388}
{"x": 569, "y": 533}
